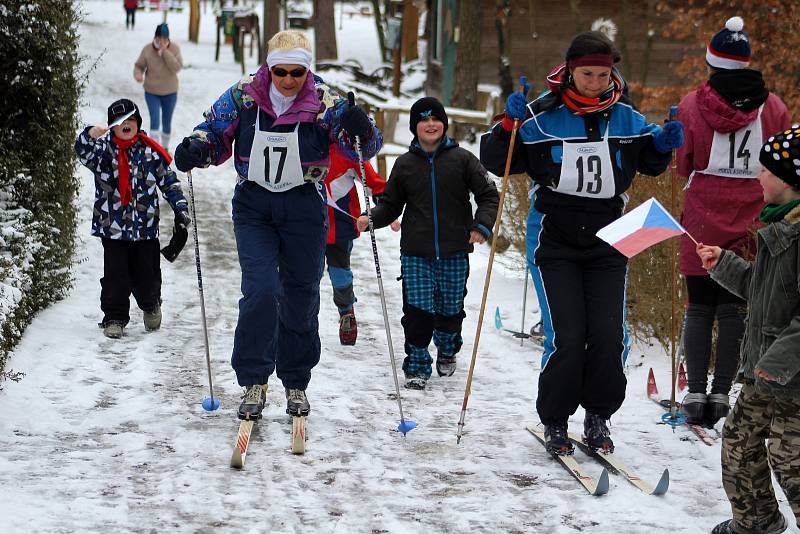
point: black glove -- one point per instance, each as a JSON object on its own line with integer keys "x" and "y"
{"x": 191, "y": 153}
{"x": 179, "y": 236}
{"x": 182, "y": 219}
{"x": 355, "y": 123}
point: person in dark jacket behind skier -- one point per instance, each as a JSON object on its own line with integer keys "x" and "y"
{"x": 726, "y": 120}
{"x": 278, "y": 125}
{"x": 582, "y": 142}
{"x": 127, "y": 167}
{"x": 433, "y": 182}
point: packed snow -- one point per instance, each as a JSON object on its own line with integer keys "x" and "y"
{"x": 109, "y": 435}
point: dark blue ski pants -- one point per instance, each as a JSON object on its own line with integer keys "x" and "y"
{"x": 280, "y": 238}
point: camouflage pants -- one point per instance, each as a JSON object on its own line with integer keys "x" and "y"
{"x": 746, "y": 460}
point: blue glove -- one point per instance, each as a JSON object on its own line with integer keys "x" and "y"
{"x": 516, "y": 106}
{"x": 670, "y": 137}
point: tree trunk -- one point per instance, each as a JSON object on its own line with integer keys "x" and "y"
{"x": 272, "y": 24}
{"x": 503, "y": 8}
{"x": 194, "y": 20}
{"x": 465, "y": 88}
{"x": 376, "y": 8}
{"x": 324, "y": 30}
{"x": 410, "y": 30}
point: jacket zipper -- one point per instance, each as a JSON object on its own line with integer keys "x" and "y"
{"x": 435, "y": 215}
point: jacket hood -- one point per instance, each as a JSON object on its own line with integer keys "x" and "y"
{"x": 721, "y": 116}
{"x": 446, "y": 144}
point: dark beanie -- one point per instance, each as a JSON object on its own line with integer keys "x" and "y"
{"x": 162, "y": 30}
{"x": 425, "y": 107}
{"x": 781, "y": 155}
{"x": 122, "y": 107}
{"x": 730, "y": 47}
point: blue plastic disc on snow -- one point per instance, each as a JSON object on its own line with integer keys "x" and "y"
{"x": 406, "y": 426}
{"x": 210, "y": 404}
{"x": 673, "y": 420}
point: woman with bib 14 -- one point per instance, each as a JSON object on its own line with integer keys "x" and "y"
{"x": 581, "y": 142}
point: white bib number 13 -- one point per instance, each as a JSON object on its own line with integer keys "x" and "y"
{"x": 593, "y": 172}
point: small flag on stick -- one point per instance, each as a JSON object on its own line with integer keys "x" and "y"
{"x": 640, "y": 228}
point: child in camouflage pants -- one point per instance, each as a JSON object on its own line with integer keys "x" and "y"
{"x": 768, "y": 407}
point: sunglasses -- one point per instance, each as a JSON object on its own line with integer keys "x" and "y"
{"x": 294, "y": 73}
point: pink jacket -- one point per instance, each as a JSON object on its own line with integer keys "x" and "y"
{"x": 719, "y": 210}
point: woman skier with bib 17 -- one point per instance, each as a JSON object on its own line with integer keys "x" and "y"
{"x": 278, "y": 125}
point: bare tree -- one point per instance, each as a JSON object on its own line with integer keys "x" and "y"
{"x": 324, "y": 30}
{"x": 502, "y": 10}
{"x": 465, "y": 89}
{"x": 272, "y": 24}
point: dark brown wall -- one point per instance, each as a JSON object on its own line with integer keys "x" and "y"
{"x": 555, "y": 24}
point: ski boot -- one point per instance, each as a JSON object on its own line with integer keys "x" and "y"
{"x": 718, "y": 407}
{"x": 152, "y": 319}
{"x": 113, "y": 329}
{"x": 596, "y": 434}
{"x": 694, "y": 407}
{"x": 416, "y": 382}
{"x": 253, "y": 401}
{"x": 445, "y": 364}
{"x": 296, "y": 403}
{"x": 348, "y": 328}
{"x": 556, "y": 440}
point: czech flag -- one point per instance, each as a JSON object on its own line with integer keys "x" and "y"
{"x": 640, "y": 228}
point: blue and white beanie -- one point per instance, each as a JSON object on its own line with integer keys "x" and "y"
{"x": 729, "y": 48}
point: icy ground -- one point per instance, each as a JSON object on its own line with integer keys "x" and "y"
{"x": 109, "y": 436}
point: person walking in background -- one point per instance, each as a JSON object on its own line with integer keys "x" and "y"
{"x": 433, "y": 182}
{"x": 130, "y": 13}
{"x": 157, "y": 68}
{"x": 768, "y": 406}
{"x": 582, "y": 142}
{"x": 726, "y": 120}
{"x": 278, "y": 125}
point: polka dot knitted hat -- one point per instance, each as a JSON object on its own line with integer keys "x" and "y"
{"x": 781, "y": 155}
{"x": 730, "y": 47}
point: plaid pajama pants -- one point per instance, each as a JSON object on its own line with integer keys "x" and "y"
{"x": 433, "y": 307}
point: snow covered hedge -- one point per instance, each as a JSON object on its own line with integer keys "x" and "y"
{"x": 39, "y": 93}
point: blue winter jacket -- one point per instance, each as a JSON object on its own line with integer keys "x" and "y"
{"x": 138, "y": 220}
{"x": 229, "y": 125}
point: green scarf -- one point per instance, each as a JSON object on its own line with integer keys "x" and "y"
{"x": 776, "y": 212}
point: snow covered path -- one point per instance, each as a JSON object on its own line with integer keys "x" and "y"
{"x": 109, "y": 436}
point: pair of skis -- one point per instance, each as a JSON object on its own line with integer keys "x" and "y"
{"x": 246, "y": 429}
{"x": 599, "y": 486}
{"x": 498, "y": 324}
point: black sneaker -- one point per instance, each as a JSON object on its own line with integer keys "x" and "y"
{"x": 253, "y": 401}
{"x": 556, "y": 440}
{"x": 596, "y": 434}
{"x": 776, "y": 526}
{"x": 416, "y": 382}
{"x": 296, "y": 403}
{"x": 445, "y": 364}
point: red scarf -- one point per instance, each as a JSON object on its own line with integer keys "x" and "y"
{"x": 125, "y": 192}
{"x": 580, "y": 104}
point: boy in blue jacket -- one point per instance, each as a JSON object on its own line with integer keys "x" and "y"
{"x": 128, "y": 166}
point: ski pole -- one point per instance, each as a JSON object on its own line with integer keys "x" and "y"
{"x": 405, "y": 425}
{"x": 495, "y": 230}
{"x": 209, "y": 403}
{"x": 524, "y": 303}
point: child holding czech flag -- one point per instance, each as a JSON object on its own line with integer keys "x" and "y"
{"x": 768, "y": 406}
{"x": 581, "y": 142}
